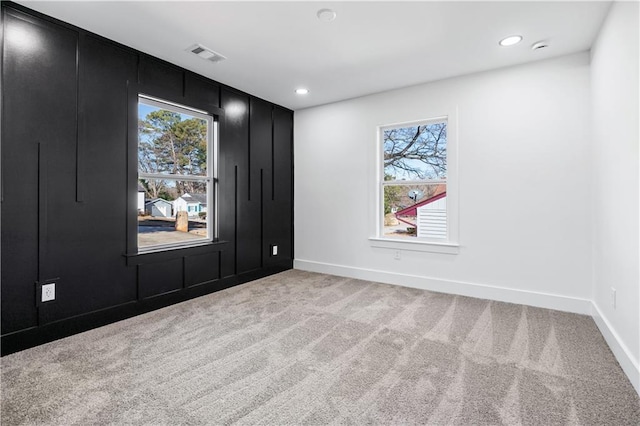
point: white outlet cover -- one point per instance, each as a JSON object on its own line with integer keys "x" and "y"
{"x": 274, "y": 250}
{"x": 48, "y": 292}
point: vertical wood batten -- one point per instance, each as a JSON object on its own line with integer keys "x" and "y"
{"x": 235, "y": 220}
{"x": 42, "y": 210}
{"x": 273, "y": 156}
{"x": 79, "y": 138}
{"x": 262, "y": 242}
{"x": 250, "y": 106}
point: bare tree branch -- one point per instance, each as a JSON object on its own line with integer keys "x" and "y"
{"x": 416, "y": 152}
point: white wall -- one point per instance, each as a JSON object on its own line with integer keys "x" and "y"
{"x": 615, "y": 112}
{"x": 524, "y": 150}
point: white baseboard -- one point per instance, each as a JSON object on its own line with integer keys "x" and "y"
{"x": 483, "y": 291}
{"x": 629, "y": 364}
{"x": 480, "y": 291}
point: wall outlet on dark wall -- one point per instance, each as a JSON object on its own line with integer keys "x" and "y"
{"x": 48, "y": 292}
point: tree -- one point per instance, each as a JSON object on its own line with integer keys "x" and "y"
{"x": 416, "y": 152}
{"x": 392, "y": 195}
{"x": 171, "y": 144}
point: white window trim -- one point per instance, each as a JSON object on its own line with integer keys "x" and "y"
{"x": 451, "y": 244}
{"x": 210, "y": 179}
{"x": 410, "y": 245}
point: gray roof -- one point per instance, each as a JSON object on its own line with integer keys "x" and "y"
{"x": 195, "y": 198}
{"x": 155, "y": 200}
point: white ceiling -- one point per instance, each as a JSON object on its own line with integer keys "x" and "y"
{"x": 275, "y": 47}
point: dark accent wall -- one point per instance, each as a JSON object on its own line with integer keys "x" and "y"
{"x": 69, "y": 164}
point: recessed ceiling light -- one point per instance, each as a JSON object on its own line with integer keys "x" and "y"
{"x": 511, "y": 40}
{"x": 302, "y": 91}
{"x": 326, "y": 15}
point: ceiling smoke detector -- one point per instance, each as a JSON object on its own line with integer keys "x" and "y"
{"x": 206, "y": 53}
{"x": 539, "y": 45}
{"x": 326, "y": 15}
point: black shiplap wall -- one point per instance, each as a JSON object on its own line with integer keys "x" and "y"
{"x": 69, "y": 105}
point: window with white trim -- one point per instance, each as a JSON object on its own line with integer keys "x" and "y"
{"x": 176, "y": 175}
{"x": 413, "y": 181}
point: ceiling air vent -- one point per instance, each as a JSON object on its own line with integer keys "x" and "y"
{"x": 206, "y": 53}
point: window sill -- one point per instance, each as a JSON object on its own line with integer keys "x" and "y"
{"x": 175, "y": 246}
{"x": 424, "y": 246}
{"x": 168, "y": 253}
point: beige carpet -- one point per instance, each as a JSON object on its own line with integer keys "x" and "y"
{"x": 305, "y": 348}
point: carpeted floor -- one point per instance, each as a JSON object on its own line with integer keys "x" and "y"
{"x": 306, "y": 348}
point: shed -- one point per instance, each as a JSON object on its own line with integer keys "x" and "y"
{"x": 159, "y": 207}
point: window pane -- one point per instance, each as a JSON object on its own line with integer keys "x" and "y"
{"x": 415, "y": 211}
{"x": 171, "y": 142}
{"x": 415, "y": 152}
{"x": 159, "y": 202}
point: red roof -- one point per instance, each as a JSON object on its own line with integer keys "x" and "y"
{"x": 412, "y": 210}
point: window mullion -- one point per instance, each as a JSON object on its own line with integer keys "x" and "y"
{"x": 160, "y": 176}
{"x": 413, "y": 182}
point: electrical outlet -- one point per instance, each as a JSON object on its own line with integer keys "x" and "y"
{"x": 274, "y": 250}
{"x": 396, "y": 255}
{"x": 613, "y": 297}
{"x": 48, "y": 292}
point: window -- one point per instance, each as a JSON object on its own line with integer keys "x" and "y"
{"x": 415, "y": 199}
{"x": 176, "y": 175}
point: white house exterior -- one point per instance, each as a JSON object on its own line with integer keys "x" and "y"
{"x": 141, "y": 193}
{"x": 193, "y": 204}
{"x": 432, "y": 219}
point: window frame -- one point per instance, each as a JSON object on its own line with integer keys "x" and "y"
{"x": 450, "y": 245}
{"x": 210, "y": 178}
